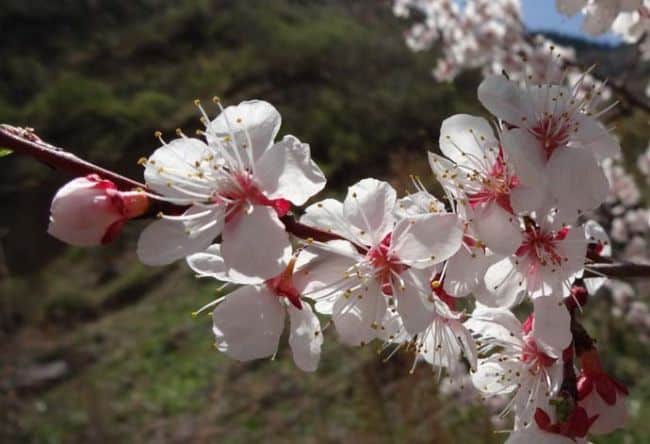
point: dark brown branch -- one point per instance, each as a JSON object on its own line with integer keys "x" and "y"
{"x": 23, "y": 141}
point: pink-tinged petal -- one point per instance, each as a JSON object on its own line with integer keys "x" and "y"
{"x": 443, "y": 171}
{"x": 165, "y": 241}
{"x": 599, "y": 17}
{"x": 258, "y": 118}
{"x": 592, "y": 135}
{"x": 210, "y": 263}
{"x": 321, "y": 278}
{"x": 415, "y": 314}
{"x": 422, "y": 241}
{"x": 495, "y": 323}
{"x": 503, "y": 98}
{"x": 286, "y": 171}
{"x": 327, "y": 215}
{"x": 468, "y": 345}
{"x": 369, "y": 206}
{"x": 494, "y": 376}
{"x": 465, "y": 271}
{"x": 552, "y": 325}
{"x": 358, "y": 318}
{"x": 574, "y": 249}
{"x": 418, "y": 203}
{"x": 248, "y": 324}
{"x": 610, "y": 417}
{"x": 570, "y": 7}
{"x": 465, "y": 139}
{"x": 498, "y": 229}
{"x": 305, "y": 338}
{"x": 85, "y": 212}
{"x": 576, "y": 181}
{"x": 535, "y": 436}
{"x": 505, "y": 281}
{"x": 179, "y": 162}
{"x": 255, "y": 245}
{"x": 526, "y": 154}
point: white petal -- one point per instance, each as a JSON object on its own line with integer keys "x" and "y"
{"x": 415, "y": 314}
{"x": 570, "y": 7}
{"x": 260, "y": 119}
{"x": 464, "y": 139}
{"x": 593, "y": 136}
{"x": 369, "y": 206}
{"x": 504, "y": 280}
{"x": 210, "y": 263}
{"x": 495, "y": 376}
{"x": 552, "y": 325}
{"x": 577, "y": 189}
{"x": 256, "y": 245}
{"x": 286, "y": 171}
{"x": 248, "y": 323}
{"x": 463, "y": 335}
{"x": 502, "y": 98}
{"x": 465, "y": 271}
{"x": 497, "y": 323}
{"x": 610, "y": 417}
{"x": 418, "y": 203}
{"x": 305, "y": 338}
{"x": 328, "y": 216}
{"x": 165, "y": 241}
{"x": 599, "y": 17}
{"x": 179, "y": 162}
{"x": 498, "y": 229}
{"x": 422, "y": 241}
{"x": 533, "y": 435}
{"x": 358, "y": 319}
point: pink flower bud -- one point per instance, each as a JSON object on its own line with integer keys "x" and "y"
{"x": 91, "y": 211}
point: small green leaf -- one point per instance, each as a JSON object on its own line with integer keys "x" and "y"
{"x": 5, "y": 152}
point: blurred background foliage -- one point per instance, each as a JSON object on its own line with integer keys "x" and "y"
{"x": 97, "y": 348}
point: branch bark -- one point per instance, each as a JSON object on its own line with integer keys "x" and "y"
{"x": 23, "y": 141}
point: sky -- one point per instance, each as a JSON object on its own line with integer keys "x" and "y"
{"x": 541, "y": 15}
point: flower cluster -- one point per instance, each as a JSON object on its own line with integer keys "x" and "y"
{"x": 489, "y": 34}
{"x": 400, "y": 270}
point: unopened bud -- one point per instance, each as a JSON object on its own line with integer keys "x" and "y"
{"x": 91, "y": 211}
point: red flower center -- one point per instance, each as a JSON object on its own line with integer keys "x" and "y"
{"x": 385, "y": 264}
{"x": 553, "y": 132}
{"x": 496, "y": 186}
{"x": 247, "y": 191}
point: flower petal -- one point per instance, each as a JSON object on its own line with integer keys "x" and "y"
{"x": 358, "y": 318}
{"x": 422, "y": 241}
{"x": 498, "y": 229}
{"x": 248, "y": 323}
{"x": 576, "y": 181}
{"x": 369, "y": 206}
{"x": 258, "y": 118}
{"x": 552, "y": 325}
{"x": 256, "y": 245}
{"x": 165, "y": 241}
{"x": 592, "y": 135}
{"x": 286, "y": 171}
{"x": 179, "y": 162}
{"x": 502, "y": 98}
{"x": 305, "y": 338}
{"x": 465, "y": 271}
{"x": 410, "y": 305}
{"x": 465, "y": 139}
